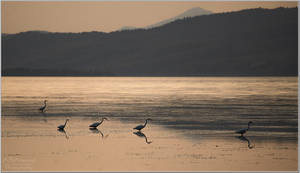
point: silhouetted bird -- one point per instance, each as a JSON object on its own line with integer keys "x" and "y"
{"x": 243, "y": 131}
{"x": 140, "y": 127}
{"x": 43, "y": 108}
{"x": 96, "y": 124}
{"x": 62, "y": 127}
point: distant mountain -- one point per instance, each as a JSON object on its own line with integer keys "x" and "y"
{"x": 254, "y": 42}
{"x": 189, "y": 13}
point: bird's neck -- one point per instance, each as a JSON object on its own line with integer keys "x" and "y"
{"x": 146, "y": 123}
{"x": 66, "y": 122}
{"x": 101, "y": 121}
{"x": 45, "y": 103}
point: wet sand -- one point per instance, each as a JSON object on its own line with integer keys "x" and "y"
{"x": 34, "y": 144}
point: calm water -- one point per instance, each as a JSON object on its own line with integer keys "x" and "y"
{"x": 192, "y": 128}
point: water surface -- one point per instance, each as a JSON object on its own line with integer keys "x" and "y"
{"x": 192, "y": 129}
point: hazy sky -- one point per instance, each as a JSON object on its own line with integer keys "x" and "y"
{"x": 105, "y": 16}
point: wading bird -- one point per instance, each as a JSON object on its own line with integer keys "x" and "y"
{"x": 243, "y": 131}
{"x": 62, "y": 127}
{"x": 140, "y": 127}
{"x": 96, "y": 124}
{"x": 43, "y": 108}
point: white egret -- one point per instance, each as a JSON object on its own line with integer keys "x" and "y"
{"x": 62, "y": 127}
{"x": 96, "y": 124}
{"x": 140, "y": 127}
{"x": 243, "y": 131}
{"x": 43, "y": 108}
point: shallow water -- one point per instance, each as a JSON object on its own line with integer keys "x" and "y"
{"x": 193, "y": 125}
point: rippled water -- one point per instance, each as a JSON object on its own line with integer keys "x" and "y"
{"x": 193, "y": 123}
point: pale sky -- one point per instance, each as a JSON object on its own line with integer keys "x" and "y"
{"x": 105, "y": 16}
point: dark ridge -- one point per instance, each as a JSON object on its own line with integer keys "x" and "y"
{"x": 252, "y": 42}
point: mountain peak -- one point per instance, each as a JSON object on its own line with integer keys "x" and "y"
{"x": 196, "y": 11}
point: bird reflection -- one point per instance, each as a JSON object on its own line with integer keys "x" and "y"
{"x": 97, "y": 131}
{"x": 63, "y": 131}
{"x": 141, "y": 134}
{"x": 243, "y": 138}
